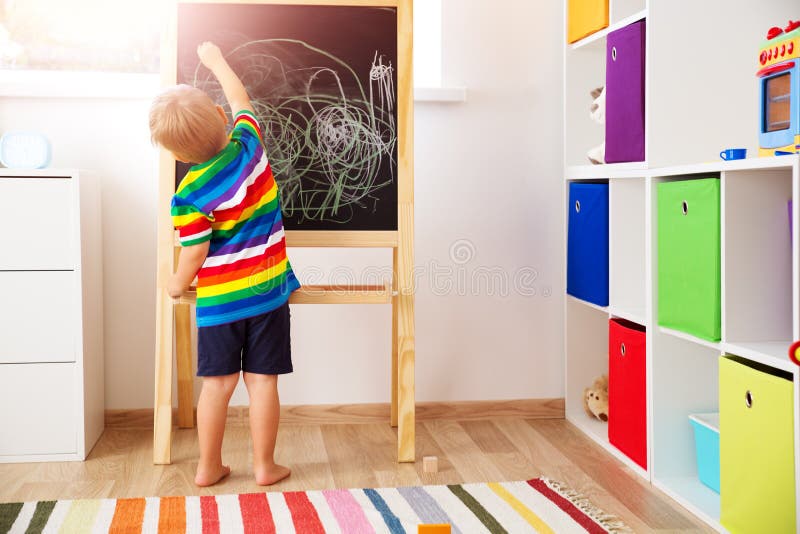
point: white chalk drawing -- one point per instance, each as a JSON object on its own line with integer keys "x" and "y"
{"x": 331, "y": 142}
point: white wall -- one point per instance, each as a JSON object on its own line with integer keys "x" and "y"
{"x": 488, "y": 185}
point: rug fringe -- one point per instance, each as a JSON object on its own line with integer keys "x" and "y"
{"x": 610, "y": 522}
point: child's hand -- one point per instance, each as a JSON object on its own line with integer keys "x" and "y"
{"x": 175, "y": 288}
{"x": 210, "y": 55}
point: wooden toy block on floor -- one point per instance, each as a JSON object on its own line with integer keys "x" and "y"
{"x": 430, "y": 464}
{"x": 433, "y": 529}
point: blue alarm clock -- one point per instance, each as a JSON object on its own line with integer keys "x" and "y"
{"x": 24, "y": 150}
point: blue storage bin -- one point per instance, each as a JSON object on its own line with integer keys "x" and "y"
{"x": 587, "y": 242}
{"x": 706, "y": 441}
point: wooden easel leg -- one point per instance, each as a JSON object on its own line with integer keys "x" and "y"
{"x": 162, "y": 416}
{"x": 183, "y": 349}
{"x": 405, "y": 337}
{"x": 394, "y": 337}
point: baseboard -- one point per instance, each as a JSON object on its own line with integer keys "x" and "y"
{"x": 330, "y": 414}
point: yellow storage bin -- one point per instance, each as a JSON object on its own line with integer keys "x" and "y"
{"x": 585, "y": 17}
{"x": 756, "y": 433}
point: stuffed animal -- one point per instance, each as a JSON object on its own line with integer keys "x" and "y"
{"x": 595, "y": 399}
{"x": 597, "y": 112}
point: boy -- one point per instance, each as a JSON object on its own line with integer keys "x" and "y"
{"x": 227, "y": 212}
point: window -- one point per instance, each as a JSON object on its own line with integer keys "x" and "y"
{"x": 92, "y": 41}
{"x": 97, "y": 35}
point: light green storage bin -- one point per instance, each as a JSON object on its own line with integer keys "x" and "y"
{"x": 689, "y": 257}
{"x": 756, "y": 434}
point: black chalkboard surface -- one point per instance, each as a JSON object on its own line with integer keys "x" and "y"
{"x": 323, "y": 82}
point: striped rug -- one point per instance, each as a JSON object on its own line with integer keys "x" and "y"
{"x": 537, "y": 505}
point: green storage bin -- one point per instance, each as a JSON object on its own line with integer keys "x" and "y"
{"x": 689, "y": 257}
{"x": 756, "y": 433}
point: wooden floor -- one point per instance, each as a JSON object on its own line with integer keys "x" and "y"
{"x": 362, "y": 455}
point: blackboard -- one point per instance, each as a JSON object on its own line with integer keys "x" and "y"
{"x": 323, "y": 81}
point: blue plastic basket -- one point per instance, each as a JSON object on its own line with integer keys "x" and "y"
{"x": 706, "y": 440}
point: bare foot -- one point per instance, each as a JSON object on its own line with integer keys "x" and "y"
{"x": 212, "y": 476}
{"x": 268, "y": 475}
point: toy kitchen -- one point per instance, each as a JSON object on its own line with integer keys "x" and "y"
{"x": 779, "y": 91}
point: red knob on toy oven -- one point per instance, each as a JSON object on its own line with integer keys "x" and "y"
{"x": 775, "y": 55}
{"x": 791, "y": 47}
{"x": 783, "y": 49}
{"x": 769, "y": 54}
{"x": 763, "y": 57}
{"x": 774, "y": 32}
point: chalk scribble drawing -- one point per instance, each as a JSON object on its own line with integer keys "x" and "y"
{"x": 331, "y": 140}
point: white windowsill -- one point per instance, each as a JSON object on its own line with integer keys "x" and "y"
{"x": 75, "y": 84}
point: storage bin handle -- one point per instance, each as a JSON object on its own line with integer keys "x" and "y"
{"x": 685, "y": 207}
{"x": 577, "y": 206}
{"x": 748, "y": 399}
{"x": 622, "y": 348}
{"x": 613, "y": 53}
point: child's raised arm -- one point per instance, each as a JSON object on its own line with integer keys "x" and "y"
{"x": 211, "y": 56}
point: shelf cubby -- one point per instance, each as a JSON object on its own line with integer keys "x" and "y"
{"x": 585, "y": 71}
{"x": 684, "y": 381}
{"x": 587, "y": 241}
{"x": 587, "y": 358}
{"x": 659, "y": 177}
{"x": 622, "y": 12}
{"x": 587, "y": 351}
{"x": 627, "y": 265}
{"x": 757, "y": 275}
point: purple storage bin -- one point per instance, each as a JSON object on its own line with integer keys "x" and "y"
{"x": 625, "y": 57}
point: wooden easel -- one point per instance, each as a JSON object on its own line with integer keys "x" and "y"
{"x": 173, "y": 320}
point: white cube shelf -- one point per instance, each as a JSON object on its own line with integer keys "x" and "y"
{"x": 694, "y": 108}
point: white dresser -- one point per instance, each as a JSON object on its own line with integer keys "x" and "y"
{"x": 51, "y": 316}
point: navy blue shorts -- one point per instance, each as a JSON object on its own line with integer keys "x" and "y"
{"x": 259, "y": 344}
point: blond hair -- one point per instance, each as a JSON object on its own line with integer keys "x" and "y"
{"x": 185, "y": 121}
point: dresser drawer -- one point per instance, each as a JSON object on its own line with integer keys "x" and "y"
{"x": 39, "y": 225}
{"x": 39, "y": 316}
{"x": 39, "y": 409}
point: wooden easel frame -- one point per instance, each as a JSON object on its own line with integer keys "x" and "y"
{"x": 172, "y": 320}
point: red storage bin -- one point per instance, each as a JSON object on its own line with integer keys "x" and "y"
{"x": 627, "y": 388}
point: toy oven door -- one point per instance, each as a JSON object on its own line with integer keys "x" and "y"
{"x": 780, "y": 106}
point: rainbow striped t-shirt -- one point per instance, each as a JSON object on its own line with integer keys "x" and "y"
{"x": 232, "y": 201}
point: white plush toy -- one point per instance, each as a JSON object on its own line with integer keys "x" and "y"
{"x": 597, "y": 112}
